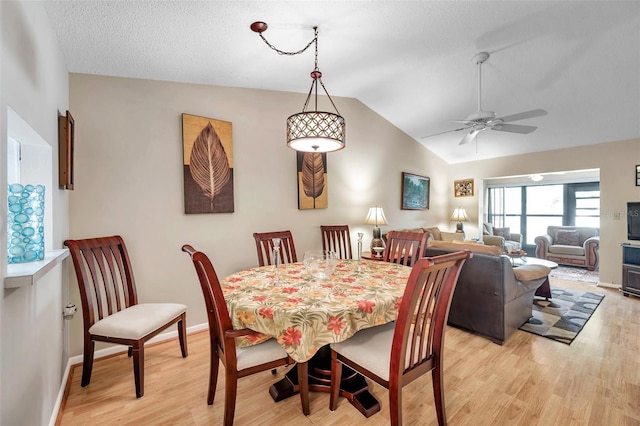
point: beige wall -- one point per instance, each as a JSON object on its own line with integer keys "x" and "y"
{"x": 129, "y": 178}
{"x": 616, "y": 162}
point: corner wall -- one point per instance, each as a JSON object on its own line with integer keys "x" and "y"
{"x": 34, "y": 83}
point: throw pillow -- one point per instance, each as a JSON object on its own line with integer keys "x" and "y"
{"x": 568, "y": 237}
{"x": 487, "y": 229}
{"x": 435, "y": 231}
{"x": 502, "y": 232}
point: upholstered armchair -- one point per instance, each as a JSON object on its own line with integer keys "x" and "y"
{"x": 570, "y": 245}
{"x": 502, "y": 237}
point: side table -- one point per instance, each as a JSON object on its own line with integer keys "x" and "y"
{"x": 370, "y": 256}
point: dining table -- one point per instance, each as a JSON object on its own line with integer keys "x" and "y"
{"x": 305, "y": 314}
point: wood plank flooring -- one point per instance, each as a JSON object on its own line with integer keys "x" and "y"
{"x": 530, "y": 380}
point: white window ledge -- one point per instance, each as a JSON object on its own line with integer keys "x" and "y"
{"x": 22, "y": 274}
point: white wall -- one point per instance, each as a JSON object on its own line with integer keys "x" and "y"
{"x": 34, "y": 83}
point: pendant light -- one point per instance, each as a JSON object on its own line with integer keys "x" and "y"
{"x": 311, "y": 130}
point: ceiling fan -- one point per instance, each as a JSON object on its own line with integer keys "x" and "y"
{"x": 482, "y": 120}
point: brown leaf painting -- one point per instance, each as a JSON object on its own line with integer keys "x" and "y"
{"x": 312, "y": 180}
{"x": 209, "y": 181}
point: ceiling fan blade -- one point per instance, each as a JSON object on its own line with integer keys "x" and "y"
{"x": 469, "y": 137}
{"x": 442, "y": 133}
{"x": 524, "y": 115}
{"x": 514, "y": 128}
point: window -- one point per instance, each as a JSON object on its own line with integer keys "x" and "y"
{"x": 530, "y": 209}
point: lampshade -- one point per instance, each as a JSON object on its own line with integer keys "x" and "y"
{"x": 459, "y": 215}
{"x": 315, "y": 131}
{"x": 311, "y": 131}
{"x": 375, "y": 217}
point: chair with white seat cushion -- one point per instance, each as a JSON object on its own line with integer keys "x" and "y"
{"x": 238, "y": 362}
{"x": 110, "y": 308}
{"x": 413, "y": 344}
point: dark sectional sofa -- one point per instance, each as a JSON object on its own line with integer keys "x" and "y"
{"x": 489, "y": 299}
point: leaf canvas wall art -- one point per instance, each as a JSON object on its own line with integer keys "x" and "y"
{"x": 207, "y": 165}
{"x": 312, "y": 180}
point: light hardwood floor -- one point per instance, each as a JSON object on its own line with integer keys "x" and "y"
{"x": 530, "y": 380}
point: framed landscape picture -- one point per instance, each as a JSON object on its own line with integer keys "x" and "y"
{"x": 415, "y": 192}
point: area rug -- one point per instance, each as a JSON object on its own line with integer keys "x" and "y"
{"x": 563, "y": 316}
{"x": 568, "y": 273}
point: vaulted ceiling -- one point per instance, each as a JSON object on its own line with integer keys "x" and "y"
{"x": 410, "y": 61}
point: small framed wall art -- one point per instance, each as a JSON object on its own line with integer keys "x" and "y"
{"x": 638, "y": 175}
{"x": 66, "y": 142}
{"x": 415, "y": 192}
{"x": 463, "y": 188}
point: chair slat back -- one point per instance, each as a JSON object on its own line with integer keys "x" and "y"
{"x": 217, "y": 311}
{"x": 337, "y": 238}
{"x": 419, "y": 332}
{"x": 264, "y": 246}
{"x": 105, "y": 277}
{"x": 404, "y": 247}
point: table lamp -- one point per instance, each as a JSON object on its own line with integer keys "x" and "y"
{"x": 376, "y": 217}
{"x": 459, "y": 215}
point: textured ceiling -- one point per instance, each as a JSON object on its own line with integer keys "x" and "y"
{"x": 410, "y": 61}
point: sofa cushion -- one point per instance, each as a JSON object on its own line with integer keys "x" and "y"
{"x": 460, "y": 245}
{"x": 510, "y": 246}
{"x": 531, "y": 272}
{"x": 570, "y": 250}
{"x": 487, "y": 229}
{"x": 567, "y": 237}
{"x": 435, "y": 232}
{"x": 502, "y": 232}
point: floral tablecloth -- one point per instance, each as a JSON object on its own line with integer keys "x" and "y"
{"x": 303, "y": 313}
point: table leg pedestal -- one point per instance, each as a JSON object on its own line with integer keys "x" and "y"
{"x": 353, "y": 385}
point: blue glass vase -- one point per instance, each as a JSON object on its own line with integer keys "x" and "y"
{"x": 25, "y": 223}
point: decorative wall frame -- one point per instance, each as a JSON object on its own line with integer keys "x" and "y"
{"x": 638, "y": 175}
{"x": 415, "y": 192}
{"x": 66, "y": 144}
{"x": 463, "y": 188}
{"x": 207, "y": 165}
{"x": 312, "y": 180}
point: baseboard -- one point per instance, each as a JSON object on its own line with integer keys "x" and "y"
{"x": 608, "y": 285}
{"x": 115, "y": 349}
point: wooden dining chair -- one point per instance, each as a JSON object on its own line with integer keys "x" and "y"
{"x": 238, "y": 362}
{"x": 404, "y": 247}
{"x": 110, "y": 308}
{"x": 264, "y": 246}
{"x": 413, "y": 344}
{"x": 337, "y": 238}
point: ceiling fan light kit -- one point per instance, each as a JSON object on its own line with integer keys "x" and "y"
{"x": 482, "y": 120}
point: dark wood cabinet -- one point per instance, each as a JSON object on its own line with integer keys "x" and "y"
{"x": 630, "y": 270}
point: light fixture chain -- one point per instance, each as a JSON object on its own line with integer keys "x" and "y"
{"x": 282, "y": 52}
{"x": 315, "y": 31}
